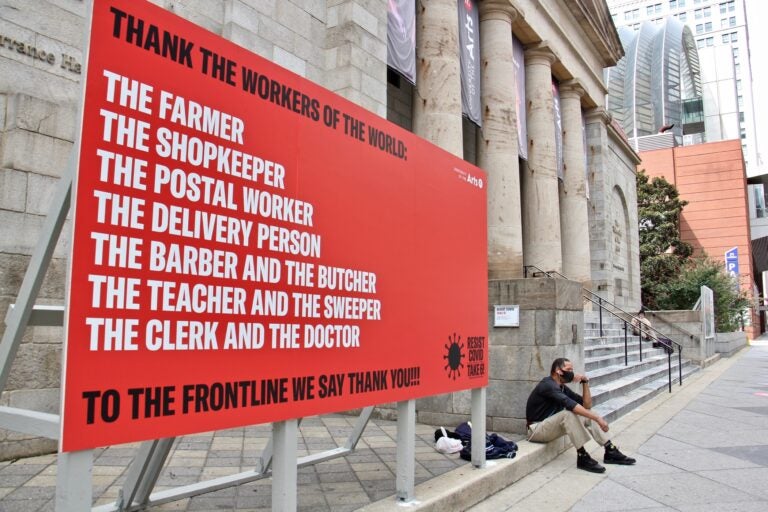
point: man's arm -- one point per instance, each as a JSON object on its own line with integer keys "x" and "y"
{"x": 582, "y": 411}
{"x": 586, "y": 395}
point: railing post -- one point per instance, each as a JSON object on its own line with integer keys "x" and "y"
{"x": 626, "y": 356}
{"x": 640, "y": 341}
{"x": 669, "y": 364}
{"x": 600, "y": 314}
{"x": 680, "y": 363}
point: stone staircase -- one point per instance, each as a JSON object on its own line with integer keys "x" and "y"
{"x": 618, "y": 388}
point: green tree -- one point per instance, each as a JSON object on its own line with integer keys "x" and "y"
{"x": 662, "y": 252}
{"x": 684, "y": 291}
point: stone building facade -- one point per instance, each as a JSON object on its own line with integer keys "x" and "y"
{"x": 582, "y": 226}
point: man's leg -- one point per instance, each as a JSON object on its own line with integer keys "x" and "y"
{"x": 612, "y": 453}
{"x": 562, "y": 423}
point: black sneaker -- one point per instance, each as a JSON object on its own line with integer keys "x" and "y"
{"x": 587, "y": 463}
{"x": 614, "y": 456}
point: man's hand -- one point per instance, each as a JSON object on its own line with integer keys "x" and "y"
{"x": 578, "y": 377}
{"x": 603, "y": 424}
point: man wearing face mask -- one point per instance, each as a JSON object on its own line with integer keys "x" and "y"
{"x": 554, "y": 410}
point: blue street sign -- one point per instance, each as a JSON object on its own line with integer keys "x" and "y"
{"x": 732, "y": 262}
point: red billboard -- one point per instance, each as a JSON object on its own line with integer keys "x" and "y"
{"x": 249, "y": 247}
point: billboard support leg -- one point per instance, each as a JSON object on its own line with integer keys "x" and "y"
{"x": 17, "y": 318}
{"x": 284, "y": 465}
{"x": 74, "y": 481}
{"x": 406, "y": 449}
{"x": 478, "y": 427}
{"x": 357, "y": 431}
{"x": 144, "y": 472}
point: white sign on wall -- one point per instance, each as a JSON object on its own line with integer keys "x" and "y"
{"x": 506, "y": 316}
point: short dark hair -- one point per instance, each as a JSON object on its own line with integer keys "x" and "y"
{"x": 558, "y": 363}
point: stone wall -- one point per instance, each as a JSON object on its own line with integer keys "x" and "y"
{"x": 340, "y": 45}
{"x": 613, "y": 221}
{"x": 551, "y": 326}
{"x": 728, "y": 343}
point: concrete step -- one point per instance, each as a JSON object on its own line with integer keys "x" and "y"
{"x": 601, "y": 347}
{"x": 617, "y": 357}
{"x": 625, "y": 386}
{"x": 607, "y": 332}
{"x": 611, "y": 373}
{"x": 618, "y": 406}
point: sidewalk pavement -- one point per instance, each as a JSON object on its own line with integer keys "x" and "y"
{"x": 706, "y": 443}
{"x": 704, "y": 447}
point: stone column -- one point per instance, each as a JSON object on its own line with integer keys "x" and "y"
{"x": 497, "y": 141}
{"x": 574, "y": 222}
{"x": 541, "y": 212}
{"x": 437, "y": 97}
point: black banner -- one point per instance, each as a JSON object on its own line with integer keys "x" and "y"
{"x": 401, "y": 37}
{"x": 469, "y": 47}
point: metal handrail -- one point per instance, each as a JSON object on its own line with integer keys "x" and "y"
{"x": 651, "y": 333}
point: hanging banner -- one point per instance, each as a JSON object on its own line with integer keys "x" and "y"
{"x": 586, "y": 153}
{"x": 518, "y": 59}
{"x": 469, "y": 48}
{"x": 249, "y": 247}
{"x": 401, "y": 37}
{"x": 558, "y": 116}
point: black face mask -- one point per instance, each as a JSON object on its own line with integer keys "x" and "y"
{"x": 567, "y": 376}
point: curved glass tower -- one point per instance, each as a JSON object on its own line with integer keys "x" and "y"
{"x": 657, "y": 83}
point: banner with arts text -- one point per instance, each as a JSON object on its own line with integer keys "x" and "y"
{"x": 249, "y": 247}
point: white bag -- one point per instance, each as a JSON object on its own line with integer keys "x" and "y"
{"x": 446, "y": 444}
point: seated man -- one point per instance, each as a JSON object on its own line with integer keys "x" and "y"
{"x": 640, "y": 326}
{"x": 554, "y": 410}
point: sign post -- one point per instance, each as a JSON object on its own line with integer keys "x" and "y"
{"x": 732, "y": 262}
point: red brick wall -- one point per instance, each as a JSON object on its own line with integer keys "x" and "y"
{"x": 711, "y": 177}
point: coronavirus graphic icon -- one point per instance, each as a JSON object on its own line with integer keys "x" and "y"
{"x": 454, "y": 356}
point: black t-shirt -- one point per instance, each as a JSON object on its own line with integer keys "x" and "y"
{"x": 549, "y": 398}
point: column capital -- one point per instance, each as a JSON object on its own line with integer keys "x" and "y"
{"x": 571, "y": 89}
{"x": 504, "y": 10}
{"x": 598, "y": 115}
{"x": 540, "y": 53}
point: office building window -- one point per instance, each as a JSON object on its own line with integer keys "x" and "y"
{"x": 727, "y": 7}
{"x": 740, "y": 101}
{"x": 735, "y": 53}
{"x": 732, "y": 21}
{"x": 726, "y": 38}
{"x": 683, "y": 17}
{"x": 736, "y": 67}
{"x": 738, "y": 85}
{"x": 700, "y": 44}
{"x": 708, "y": 26}
{"x": 710, "y": 41}
{"x": 759, "y": 197}
{"x": 741, "y": 117}
{"x": 673, "y": 4}
{"x": 734, "y": 37}
{"x": 699, "y": 28}
{"x": 698, "y": 14}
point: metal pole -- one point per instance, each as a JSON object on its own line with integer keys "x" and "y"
{"x": 284, "y": 466}
{"x": 626, "y": 356}
{"x": 680, "y": 363}
{"x": 640, "y": 343}
{"x": 406, "y": 450}
{"x": 73, "y": 481}
{"x": 600, "y": 314}
{"x": 669, "y": 365}
{"x": 478, "y": 427}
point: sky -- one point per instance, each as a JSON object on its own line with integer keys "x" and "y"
{"x": 757, "y": 13}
